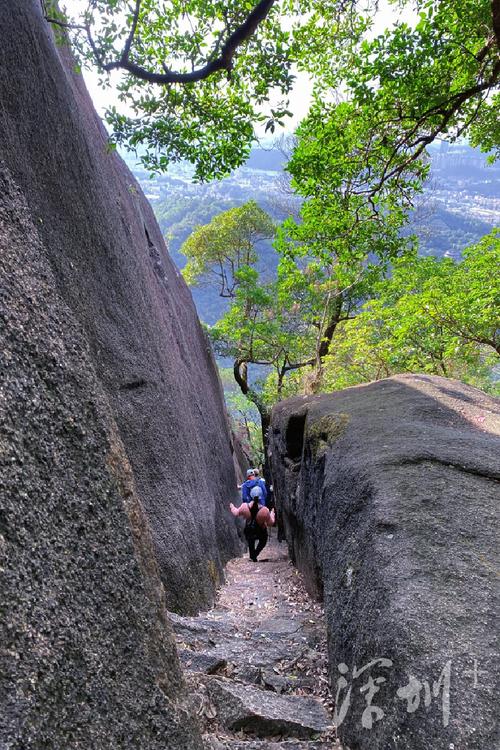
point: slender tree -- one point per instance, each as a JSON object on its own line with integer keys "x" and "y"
{"x": 217, "y": 251}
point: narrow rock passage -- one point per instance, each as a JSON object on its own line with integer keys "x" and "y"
{"x": 256, "y": 663}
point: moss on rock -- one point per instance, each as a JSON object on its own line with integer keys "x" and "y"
{"x": 324, "y": 431}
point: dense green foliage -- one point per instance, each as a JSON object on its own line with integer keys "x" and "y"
{"x": 403, "y": 88}
{"x": 264, "y": 328}
{"x": 322, "y": 278}
{"x": 199, "y": 75}
{"x": 311, "y": 330}
{"x": 432, "y": 315}
{"x": 178, "y": 217}
{"x": 461, "y": 189}
{"x": 220, "y": 250}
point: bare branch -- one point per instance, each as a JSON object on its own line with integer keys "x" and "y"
{"x": 64, "y": 24}
{"x": 298, "y": 365}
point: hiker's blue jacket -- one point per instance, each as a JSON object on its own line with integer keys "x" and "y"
{"x": 250, "y": 484}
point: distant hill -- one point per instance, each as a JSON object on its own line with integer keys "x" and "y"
{"x": 460, "y": 204}
{"x": 446, "y": 232}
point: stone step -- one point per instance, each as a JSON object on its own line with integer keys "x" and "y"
{"x": 201, "y": 661}
{"x": 241, "y": 670}
{"x": 263, "y": 713}
{"x": 230, "y": 743}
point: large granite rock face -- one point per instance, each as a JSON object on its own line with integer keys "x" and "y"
{"x": 88, "y": 658}
{"x": 115, "y": 456}
{"x": 110, "y": 266}
{"x": 389, "y": 497}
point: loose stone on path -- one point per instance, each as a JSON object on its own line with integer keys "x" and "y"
{"x": 256, "y": 663}
{"x": 263, "y": 712}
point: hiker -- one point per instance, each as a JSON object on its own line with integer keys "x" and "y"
{"x": 258, "y": 518}
{"x": 249, "y": 484}
{"x": 262, "y": 483}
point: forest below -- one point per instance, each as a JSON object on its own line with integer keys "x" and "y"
{"x": 459, "y": 204}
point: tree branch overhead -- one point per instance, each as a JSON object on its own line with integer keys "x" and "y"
{"x": 224, "y": 60}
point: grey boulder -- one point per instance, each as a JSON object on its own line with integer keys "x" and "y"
{"x": 264, "y": 712}
{"x": 389, "y": 497}
{"x": 111, "y": 268}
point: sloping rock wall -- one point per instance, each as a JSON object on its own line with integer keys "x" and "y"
{"x": 88, "y": 659}
{"x": 110, "y": 266}
{"x": 241, "y": 460}
{"x": 389, "y": 496}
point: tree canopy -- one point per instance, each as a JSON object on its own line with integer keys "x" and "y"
{"x": 432, "y": 77}
{"x": 327, "y": 265}
{"x": 432, "y": 315}
{"x": 199, "y": 75}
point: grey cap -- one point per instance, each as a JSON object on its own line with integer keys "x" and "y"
{"x": 250, "y": 472}
{"x": 256, "y": 492}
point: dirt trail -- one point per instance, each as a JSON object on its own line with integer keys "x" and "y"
{"x": 256, "y": 663}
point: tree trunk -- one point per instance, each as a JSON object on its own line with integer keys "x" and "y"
{"x": 325, "y": 341}
{"x": 240, "y": 371}
{"x": 265, "y": 421}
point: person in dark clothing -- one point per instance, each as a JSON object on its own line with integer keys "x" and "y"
{"x": 255, "y": 534}
{"x": 258, "y": 518}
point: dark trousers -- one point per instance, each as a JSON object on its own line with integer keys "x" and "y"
{"x": 253, "y": 536}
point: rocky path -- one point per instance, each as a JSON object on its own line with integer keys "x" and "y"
{"x": 256, "y": 663}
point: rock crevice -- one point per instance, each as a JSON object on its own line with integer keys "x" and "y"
{"x": 256, "y": 663}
